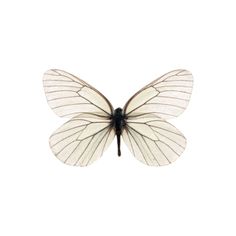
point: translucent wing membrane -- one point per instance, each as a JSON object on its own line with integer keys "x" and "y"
{"x": 82, "y": 140}
{"x": 167, "y": 96}
{"x": 85, "y": 137}
{"x": 152, "y": 140}
{"x": 69, "y": 96}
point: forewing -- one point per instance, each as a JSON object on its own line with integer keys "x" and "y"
{"x": 82, "y": 140}
{"x": 152, "y": 140}
{"x": 167, "y": 96}
{"x": 69, "y": 96}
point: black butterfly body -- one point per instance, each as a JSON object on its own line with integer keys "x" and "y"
{"x": 94, "y": 123}
{"x": 118, "y": 122}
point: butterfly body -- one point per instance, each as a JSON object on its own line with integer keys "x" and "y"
{"x": 94, "y": 123}
{"x": 118, "y": 122}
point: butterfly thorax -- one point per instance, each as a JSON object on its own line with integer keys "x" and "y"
{"x": 118, "y": 122}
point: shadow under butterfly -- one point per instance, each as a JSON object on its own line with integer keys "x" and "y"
{"x": 94, "y": 123}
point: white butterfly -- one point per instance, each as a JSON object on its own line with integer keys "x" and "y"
{"x": 94, "y": 123}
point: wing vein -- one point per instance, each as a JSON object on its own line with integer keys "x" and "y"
{"x": 53, "y": 99}
{"x": 83, "y": 151}
{"x": 159, "y": 79}
{"x": 97, "y": 146}
{"x": 167, "y": 104}
{"x": 72, "y": 104}
{"x": 150, "y": 150}
{"x": 106, "y": 140}
{"x": 142, "y": 104}
{"x": 168, "y": 147}
{"x": 96, "y": 132}
{"x": 169, "y": 90}
{"x": 63, "y": 90}
{"x": 170, "y": 140}
{"x": 182, "y": 99}
{"x": 94, "y": 104}
{"x": 138, "y": 147}
{"x": 162, "y": 152}
{"x": 139, "y": 132}
{"x": 67, "y": 137}
{"x": 60, "y": 132}
{"x": 130, "y": 141}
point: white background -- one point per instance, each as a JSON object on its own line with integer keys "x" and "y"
{"x": 118, "y": 47}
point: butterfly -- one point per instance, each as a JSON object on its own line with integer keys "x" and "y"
{"x": 94, "y": 122}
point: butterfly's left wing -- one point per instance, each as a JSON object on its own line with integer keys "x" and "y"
{"x": 82, "y": 140}
{"x": 69, "y": 96}
{"x": 152, "y": 140}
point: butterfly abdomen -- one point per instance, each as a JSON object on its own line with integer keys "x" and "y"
{"x": 118, "y": 123}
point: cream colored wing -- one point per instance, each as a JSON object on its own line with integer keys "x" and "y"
{"x": 69, "y": 96}
{"x": 167, "y": 96}
{"x": 152, "y": 140}
{"x": 82, "y": 140}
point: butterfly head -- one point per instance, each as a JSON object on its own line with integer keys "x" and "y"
{"x": 118, "y": 111}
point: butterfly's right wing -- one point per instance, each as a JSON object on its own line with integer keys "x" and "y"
{"x": 152, "y": 140}
{"x": 82, "y": 140}
{"x": 167, "y": 96}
